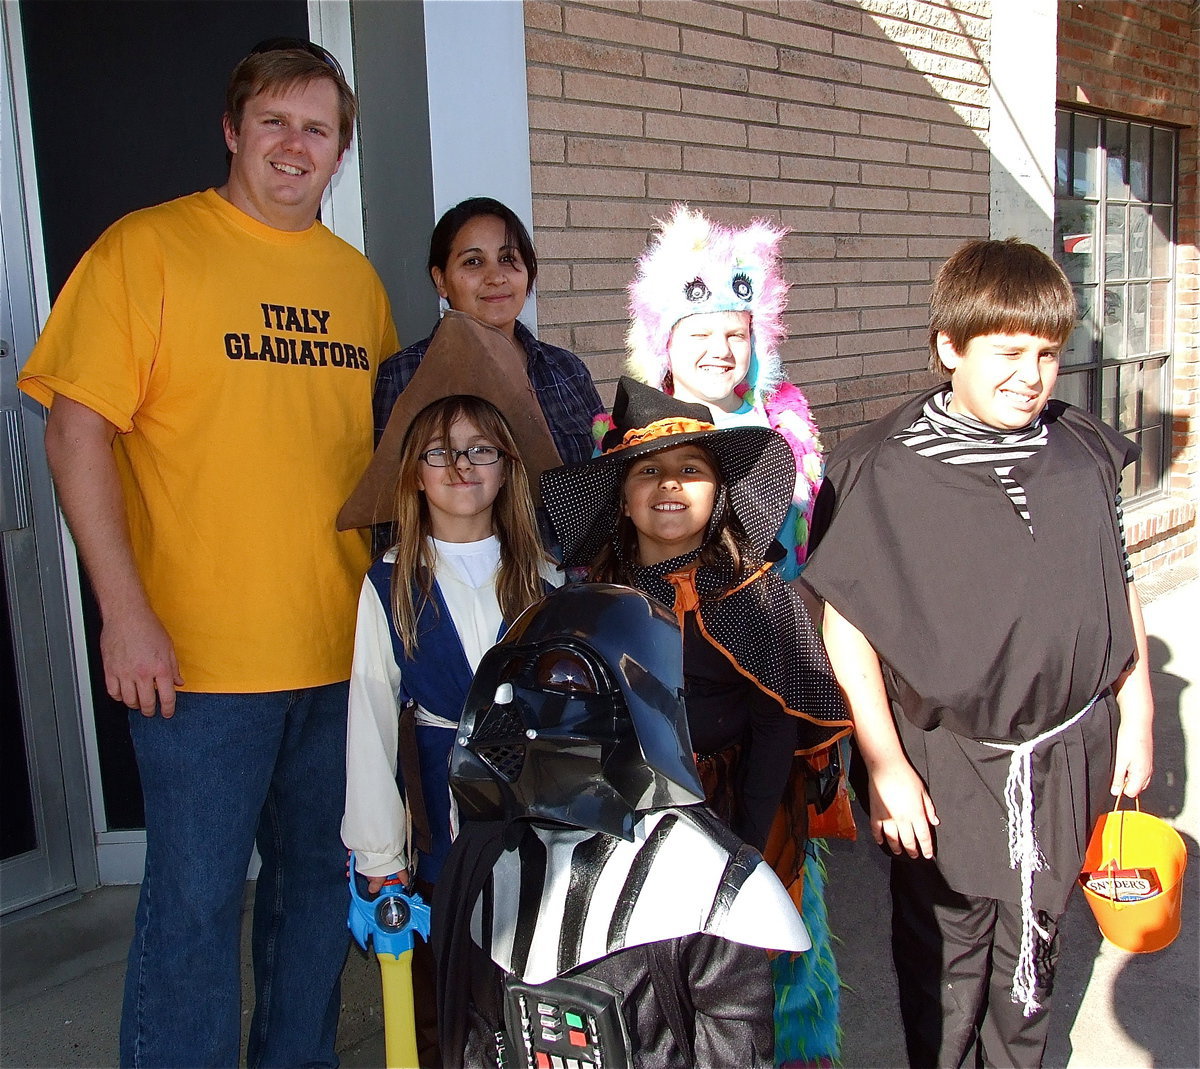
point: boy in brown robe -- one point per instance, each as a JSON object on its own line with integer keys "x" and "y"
{"x": 983, "y": 623}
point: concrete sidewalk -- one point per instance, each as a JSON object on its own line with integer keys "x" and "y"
{"x": 61, "y": 973}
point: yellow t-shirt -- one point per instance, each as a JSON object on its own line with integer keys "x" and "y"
{"x": 237, "y": 362}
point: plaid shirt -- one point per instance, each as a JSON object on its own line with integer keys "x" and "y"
{"x": 563, "y": 385}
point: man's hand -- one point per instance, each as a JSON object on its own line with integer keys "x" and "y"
{"x": 139, "y": 658}
{"x": 140, "y": 668}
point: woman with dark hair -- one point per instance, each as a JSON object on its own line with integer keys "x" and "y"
{"x": 482, "y": 262}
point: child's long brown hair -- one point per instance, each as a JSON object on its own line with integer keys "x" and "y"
{"x": 519, "y": 582}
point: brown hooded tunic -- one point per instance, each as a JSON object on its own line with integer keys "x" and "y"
{"x": 986, "y": 632}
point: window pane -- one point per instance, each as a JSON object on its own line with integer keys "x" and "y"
{"x": 1075, "y": 389}
{"x": 1139, "y": 241}
{"x": 1113, "y": 337}
{"x": 1062, "y": 153}
{"x": 1114, "y": 241}
{"x": 1130, "y": 389}
{"x": 1085, "y": 166}
{"x": 1139, "y": 163}
{"x": 1075, "y": 223}
{"x": 1152, "y": 393}
{"x": 1135, "y": 318}
{"x": 1129, "y": 477}
{"x": 1163, "y": 181}
{"x": 1116, "y": 144}
{"x": 1150, "y": 467}
{"x": 1159, "y": 317}
{"x": 1160, "y": 240}
{"x": 1108, "y": 396}
{"x": 1081, "y": 345}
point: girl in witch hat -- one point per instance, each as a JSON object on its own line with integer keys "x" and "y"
{"x": 467, "y": 560}
{"x": 685, "y": 511}
{"x": 706, "y": 322}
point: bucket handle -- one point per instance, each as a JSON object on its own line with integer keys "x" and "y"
{"x": 1116, "y": 863}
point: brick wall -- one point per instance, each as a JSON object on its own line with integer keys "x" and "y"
{"x": 1139, "y": 60}
{"x": 861, "y": 125}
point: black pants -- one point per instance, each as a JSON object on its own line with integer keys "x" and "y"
{"x": 955, "y": 957}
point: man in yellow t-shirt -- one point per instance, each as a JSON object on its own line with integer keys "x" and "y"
{"x": 209, "y": 368}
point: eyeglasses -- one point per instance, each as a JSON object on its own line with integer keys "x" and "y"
{"x": 298, "y": 44}
{"x": 477, "y": 455}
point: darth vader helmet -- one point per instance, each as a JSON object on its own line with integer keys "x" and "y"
{"x": 577, "y": 716}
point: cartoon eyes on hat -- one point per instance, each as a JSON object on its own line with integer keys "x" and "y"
{"x": 696, "y": 291}
{"x": 742, "y": 289}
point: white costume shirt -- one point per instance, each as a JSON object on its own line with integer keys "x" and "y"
{"x": 375, "y": 824}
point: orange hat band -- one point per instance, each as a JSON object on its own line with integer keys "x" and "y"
{"x": 662, "y": 428}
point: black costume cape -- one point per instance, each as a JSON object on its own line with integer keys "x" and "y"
{"x": 985, "y": 630}
{"x": 762, "y": 627}
{"x": 981, "y": 626}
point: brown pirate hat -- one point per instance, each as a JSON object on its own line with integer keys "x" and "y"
{"x": 465, "y": 357}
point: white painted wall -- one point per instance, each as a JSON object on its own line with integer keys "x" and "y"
{"x": 342, "y": 206}
{"x": 1023, "y": 69}
{"x": 478, "y": 106}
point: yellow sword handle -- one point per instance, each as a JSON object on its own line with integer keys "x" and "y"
{"x": 399, "y": 1030}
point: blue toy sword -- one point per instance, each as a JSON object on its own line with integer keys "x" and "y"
{"x": 391, "y": 921}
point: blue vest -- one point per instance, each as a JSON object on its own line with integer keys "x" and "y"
{"x": 437, "y": 679}
{"x": 440, "y": 676}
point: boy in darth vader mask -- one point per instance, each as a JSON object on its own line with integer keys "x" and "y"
{"x": 592, "y": 911}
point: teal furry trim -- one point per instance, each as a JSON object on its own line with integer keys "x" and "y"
{"x": 807, "y": 987}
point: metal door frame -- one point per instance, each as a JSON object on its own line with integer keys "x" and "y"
{"x": 40, "y": 576}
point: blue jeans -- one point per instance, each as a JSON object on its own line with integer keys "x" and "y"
{"x": 225, "y": 771}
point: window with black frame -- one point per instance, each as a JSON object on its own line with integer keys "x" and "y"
{"x": 1114, "y": 227}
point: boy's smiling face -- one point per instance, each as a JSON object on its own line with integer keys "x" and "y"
{"x": 1002, "y": 380}
{"x": 709, "y": 355}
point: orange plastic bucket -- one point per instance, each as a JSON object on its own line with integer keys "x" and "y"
{"x": 1124, "y": 843}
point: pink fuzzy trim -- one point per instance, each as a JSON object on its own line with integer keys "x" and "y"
{"x": 689, "y": 246}
{"x": 788, "y": 412}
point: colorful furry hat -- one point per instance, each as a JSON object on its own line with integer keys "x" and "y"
{"x": 694, "y": 265}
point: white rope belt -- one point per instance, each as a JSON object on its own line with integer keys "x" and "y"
{"x": 1024, "y": 854}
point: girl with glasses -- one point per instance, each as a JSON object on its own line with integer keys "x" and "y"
{"x": 467, "y": 560}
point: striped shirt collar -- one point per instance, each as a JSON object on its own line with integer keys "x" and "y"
{"x": 957, "y": 425}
